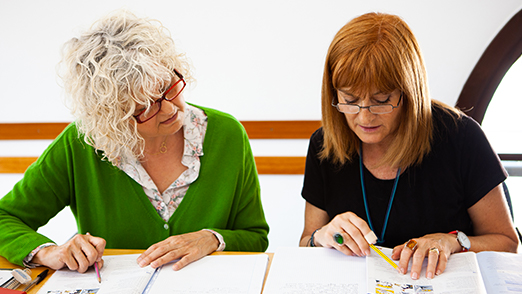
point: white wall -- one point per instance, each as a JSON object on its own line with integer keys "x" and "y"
{"x": 258, "y": 60}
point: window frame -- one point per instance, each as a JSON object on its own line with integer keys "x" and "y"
{"x": 492, "y": 66}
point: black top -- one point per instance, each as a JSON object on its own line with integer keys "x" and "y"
{"x": 431, "y": 197}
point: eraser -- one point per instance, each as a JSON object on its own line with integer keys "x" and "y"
{"x": 370, "y": 237}
{"x": 22, "y": 276}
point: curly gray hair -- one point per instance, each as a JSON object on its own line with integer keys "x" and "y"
{"x": 122, "y": 61}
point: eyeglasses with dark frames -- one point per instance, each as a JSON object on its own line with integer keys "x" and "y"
{"x": 375, "y": 109}
{"x": 172, "y": 93}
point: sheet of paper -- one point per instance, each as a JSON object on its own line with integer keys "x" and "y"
{"x": 223, "y": 274}
{"x": 501, "y": 271}
{"x": 298, "y": 270}
{"x": 120, "y": 274}
{"x": 462, "y": 275}
{"x": 5, "y": 275}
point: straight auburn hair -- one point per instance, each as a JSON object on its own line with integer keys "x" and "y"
{"x": 377, "y": 51}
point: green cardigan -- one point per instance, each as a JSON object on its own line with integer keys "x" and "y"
{"x": 109, "y": 204}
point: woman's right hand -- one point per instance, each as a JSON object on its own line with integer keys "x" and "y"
{"x": 78, "y": 254}
{"x": 352, "y": 228}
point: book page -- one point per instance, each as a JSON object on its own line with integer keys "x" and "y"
{"x": 5, "y": 275}
{"x": 501, "y": 271}
{"x": 462, "y": 275}
{"x": 220, "y": 274}
{"x": 301, "y": 270}
{"x": 119, "y": 274}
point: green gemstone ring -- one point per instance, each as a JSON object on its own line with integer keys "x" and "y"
{"x": 338, "y": 238}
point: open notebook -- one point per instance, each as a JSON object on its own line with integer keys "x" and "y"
{"x": 321, "y": 270}
{"x": 121, "y": 274}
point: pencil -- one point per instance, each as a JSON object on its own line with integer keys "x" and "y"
{"x": 96, "y": 267}
{"x": 97, "y": 272}
{"x": 384, "y": 256}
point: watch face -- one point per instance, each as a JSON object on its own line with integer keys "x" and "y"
{"x": 463, "y": 240}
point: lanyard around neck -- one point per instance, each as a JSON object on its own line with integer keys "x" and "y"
{"x": 380, "y": 240}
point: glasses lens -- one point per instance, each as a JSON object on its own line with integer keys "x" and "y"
{"x": 174, "y": 91}
{"x": 381, "y": 109}
{"x": 152, "y": 111}
{"x": 348, "y": 108}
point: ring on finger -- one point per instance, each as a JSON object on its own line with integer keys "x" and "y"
{"x": 338, "y": 238}
{"x": 412, "y": 244}
{"x": 435, "y": 249}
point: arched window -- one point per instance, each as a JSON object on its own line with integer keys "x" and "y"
{"x": 481, "y": 87}
{"x": 502, "y": 121}
{"x": 492, "y": 66}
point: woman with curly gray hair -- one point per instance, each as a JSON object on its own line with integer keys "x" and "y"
{"x": 140, "y": 168}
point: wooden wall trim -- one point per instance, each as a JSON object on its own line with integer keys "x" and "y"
{"x": 15, "y": 165}
{"x": 265, "y": 165}
{"x": 301, "y": 129}
{"x": 31, "y": 131}
{"x": 288, "y": 165}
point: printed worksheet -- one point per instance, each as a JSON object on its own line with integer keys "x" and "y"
{"x": 5, "y": 275}
{"x": 501, "y": 271}
{"x": 226, "y": 274}
{"x": 120, "y": 274}
{"x": 300, "y": 270}
{"x": 223, "y": 274}
{"x": 462, "y": 275}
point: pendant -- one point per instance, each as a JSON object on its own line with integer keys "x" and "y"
{"x": 163, "y": 148}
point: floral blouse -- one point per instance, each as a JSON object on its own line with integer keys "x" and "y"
{"x": 194, "y": 128}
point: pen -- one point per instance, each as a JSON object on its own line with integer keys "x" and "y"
{"x": 97, "y": 272}
{"x": 384, "y": 256}
{"x": 37, "y": 280}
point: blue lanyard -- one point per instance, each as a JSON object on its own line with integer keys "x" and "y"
{"x": 380, "y": 240}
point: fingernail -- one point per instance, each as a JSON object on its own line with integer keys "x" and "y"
{"x": 438, "y": 272}
{"x": 414, "y": 276}
{"x": 429, "y": 275}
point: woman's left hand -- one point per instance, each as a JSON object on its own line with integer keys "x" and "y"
{"x": 437, "y": 247}
{"x": 187, "y": 248}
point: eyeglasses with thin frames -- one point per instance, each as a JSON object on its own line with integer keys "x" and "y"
{"x": 172, "y": 93}
{"x": 375, "y": 109}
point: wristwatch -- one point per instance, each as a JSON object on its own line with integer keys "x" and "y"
{"x": 463, "y": 240}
